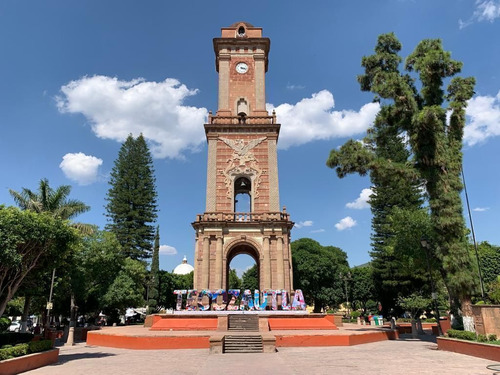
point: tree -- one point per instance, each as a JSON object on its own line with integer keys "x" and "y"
{"x": 132, "y": 199}
{"x": 234, "y": 280}
{"x": 28, "y": 240}
{"x": 362, "y": 286}
{"x": 49, "y": 200}
{"x": 154, "y": 271}
{"x": 414, "y": 304}
{"x": 127, "y": 288}
{"x": 383, "y": 155}
{"x": 316, "y": 271}
{"x": 250, "y": 278}
{"x": 434, "y": 143}
{"x": 170, "y": 282}
{"x": 57, "y": 203}
{"x": 96, "y": 262}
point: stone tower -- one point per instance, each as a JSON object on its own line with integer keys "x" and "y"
{"x": 242, "y": 167}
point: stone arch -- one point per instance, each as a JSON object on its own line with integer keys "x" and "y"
{"x": 241, "y": 246}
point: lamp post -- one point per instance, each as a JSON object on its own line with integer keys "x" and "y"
{"x": 346, "y": 278}
{"x": 426, "y": 246}
{"x": 49, "y": 304}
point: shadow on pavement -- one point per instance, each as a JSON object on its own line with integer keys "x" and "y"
{"x": 409, "y": 337}
{"x": 63, "y": 358}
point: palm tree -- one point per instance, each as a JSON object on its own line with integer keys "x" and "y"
{"x": 49, "y": 200}
{"x": 53, "y": 201}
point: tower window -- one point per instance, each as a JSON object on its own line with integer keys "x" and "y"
{"x": 242, "y": 195}
{"x": 241, "y": 31}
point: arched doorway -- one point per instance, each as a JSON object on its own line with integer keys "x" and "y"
{"x": 239, "y": 249}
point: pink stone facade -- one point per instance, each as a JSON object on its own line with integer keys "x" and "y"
{"x": 242, "y": 139}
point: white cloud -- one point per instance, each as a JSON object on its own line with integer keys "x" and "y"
{"x": 480, "y": 209}
{"x": 483, "y": 113}
{"x": 116, "y": 108}
{"x": 313, "y": 119}
{"x": 290, "y": 86}
{"x": 317, "y": 231}
{"x": 362, "y": 201}
{"x": 167, "y": 250}
{"x": 487, "y": 10}
{"x": 346, "y": 223}
{"x": 307, "y": 223}
{"x": 80, "y": 168}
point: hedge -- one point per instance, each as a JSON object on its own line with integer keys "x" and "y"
{"x": 9, "y": 351}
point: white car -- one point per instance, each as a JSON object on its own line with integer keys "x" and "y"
{"x": 14, "y": 327}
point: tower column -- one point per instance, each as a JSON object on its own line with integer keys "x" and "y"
{"x": 224, "y": 61}
{"x": 205, "y": 266}
{"x": 260, "y": 82}
{"x": 266, "y": 266}
{"x": 218, "y": 264}
{"x": 280, "y": 283}
{"x": 274, "y": 197}
{"x": 211, "y": 174}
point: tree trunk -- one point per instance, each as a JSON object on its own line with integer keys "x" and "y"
{"x": 420, "y": 330}
{"x": 24, "y": 317}
{"x": 72, "y": 322}
{"x": 467, "y": 316}
{"x": 414, "y": 333}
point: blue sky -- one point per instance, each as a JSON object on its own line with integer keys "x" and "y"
{"x": 77, "y": 76}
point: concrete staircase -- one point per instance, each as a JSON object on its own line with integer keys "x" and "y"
{"x": 243, "y": 344}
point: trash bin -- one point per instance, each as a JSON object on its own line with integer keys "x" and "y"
{"x": 380, "y": 319}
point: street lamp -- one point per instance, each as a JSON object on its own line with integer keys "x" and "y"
{"x": 426, "y": 246}
{"x": 346, "y": 278}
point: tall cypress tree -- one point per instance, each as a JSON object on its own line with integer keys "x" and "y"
{"x": 385, "y": 157}
{"x": 435, "y": 145}
{"x": 132, "y": 205}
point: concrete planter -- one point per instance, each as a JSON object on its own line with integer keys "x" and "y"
{"x": 475, "y": 349}
{"x": 28, "y": 362}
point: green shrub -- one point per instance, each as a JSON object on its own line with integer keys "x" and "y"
{"x": 4, "y": 323}
{"x": 462, "y": 335}
{"x": 355, "y": 314}
{"x": 39, "y": 346}
{"x": 14, "y": 351}
{"x": 482, "y": 338}
{"x": 13, "y": 338}
{"x": 492, "y": 337}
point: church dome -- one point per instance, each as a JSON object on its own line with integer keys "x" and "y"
{"x": 184, "y": 268}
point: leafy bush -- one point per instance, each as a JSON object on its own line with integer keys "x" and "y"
{"x": 39, "y": 346}
{"x": 12, "y": 338}
{"x": 482, "y": 338}
{"x": 355, "y": 314}
{"x": 9, "y": 351}
{"x": 14, "y": 351}
{"x": 462, "y": 335}
{"x": 4, "y": 323}
{"x": 492, "y": 337}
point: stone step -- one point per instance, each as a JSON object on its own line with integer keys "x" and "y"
{"x": 243, "y": 344}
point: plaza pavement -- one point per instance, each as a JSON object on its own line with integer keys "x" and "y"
{"x": 404, "y": 356}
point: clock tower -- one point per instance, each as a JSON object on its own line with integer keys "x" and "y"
{"x": 242, "y": 214}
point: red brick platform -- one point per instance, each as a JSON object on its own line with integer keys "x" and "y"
{"x": 303, "y": 334}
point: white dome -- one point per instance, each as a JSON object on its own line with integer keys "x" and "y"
{"x": 184, "y": 268}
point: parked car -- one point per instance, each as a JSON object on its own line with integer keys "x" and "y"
{"x": 14, "y": 327}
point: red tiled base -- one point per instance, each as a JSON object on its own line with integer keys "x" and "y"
{"x": 194, "y": 324}
{"x": 148, "y": 342}
{"x": 276, "y": 324}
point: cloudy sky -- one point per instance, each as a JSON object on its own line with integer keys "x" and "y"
{"x": 76, "y": 77}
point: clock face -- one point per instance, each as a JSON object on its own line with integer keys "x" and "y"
{"x": 241, "y": 68}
